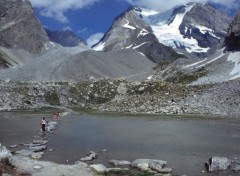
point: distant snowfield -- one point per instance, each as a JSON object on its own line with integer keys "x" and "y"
{"x": 235, "y": 57}
{"x": 222, "y": 67}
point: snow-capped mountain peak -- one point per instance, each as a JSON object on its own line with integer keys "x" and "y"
{"x": 130, "y": 31}
{"x": 192, "y": 27}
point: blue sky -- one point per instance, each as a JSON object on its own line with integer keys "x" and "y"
{"x": 90, "y": 19}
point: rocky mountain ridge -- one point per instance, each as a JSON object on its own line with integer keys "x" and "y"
{"x": 197, "y": 28}
{"x": 65, "y": 38}
{"x": 130, "y": 31}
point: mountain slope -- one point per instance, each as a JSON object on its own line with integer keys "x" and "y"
{"x": 232, "y": 41}
{"x": 19, "y": 27}
{"x": 65, "y": 38}
{"x": 197, "y": 28}
{"x": 67, "y": 64}
{"x": 130, "y": 31}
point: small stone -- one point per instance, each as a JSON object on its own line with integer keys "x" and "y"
{"x": 36, "y": 155}
{"x": 37, "y": 167}
{"x": 165, "y": 170}
{"x": 13, "y": 146}
{"x": 236, "y": 167}
{"x": 50, "y": 150}
{"x": 104, "y": 150}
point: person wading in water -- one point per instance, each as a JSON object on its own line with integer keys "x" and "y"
{"x": 43, "y": 123}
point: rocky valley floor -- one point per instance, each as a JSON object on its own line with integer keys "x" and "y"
{"x": 123, "y": 96}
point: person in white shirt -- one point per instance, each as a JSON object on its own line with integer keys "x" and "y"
{"x": 43, "y": 123}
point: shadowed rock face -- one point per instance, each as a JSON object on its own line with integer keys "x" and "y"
{"x": 19, "y": 27}
{"x": 232, "y": 41}
{"x": 130, "y": 31}
{"x": 65, "y": 38}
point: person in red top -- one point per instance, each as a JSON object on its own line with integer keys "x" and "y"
{"x": 43, "y": 123}
{"x": 56, "y": 116}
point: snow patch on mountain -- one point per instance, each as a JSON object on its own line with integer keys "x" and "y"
{"x": 135, "y": 47}
{"x": 235, "y": 57}
{"x": 143, "y": 32}
{"x": 205, "y": 30}
{"x": 129, "y": 26}
{"x": 210, "y": 61}
{"x": 99, "y": 47}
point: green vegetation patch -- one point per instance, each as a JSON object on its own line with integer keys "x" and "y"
{"x": 186, "y": 78}
{"x": 52, "y": 98}
{"x": 3, "y": 60}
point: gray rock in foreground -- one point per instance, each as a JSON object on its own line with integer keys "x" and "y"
{"x": 218, "y": 164}
{"x": 144, "y": 164}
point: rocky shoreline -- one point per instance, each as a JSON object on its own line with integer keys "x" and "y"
{"x": 105, "y": 95}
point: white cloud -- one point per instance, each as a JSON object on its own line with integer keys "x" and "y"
{"x": 57, "y": 8}
{"x": 67, "y": 28}
{"x": 94, "y": 39}
{"x": 82, "y": 31}
{"x": 162, "y": 5}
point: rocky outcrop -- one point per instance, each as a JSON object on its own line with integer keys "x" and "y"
{"x": 134, "y": 97}
{"x": 232, "y": 40}
{"x": 19, "y": 27}
{"x": 65, "y": 38}
{"x": 129, "y": 30}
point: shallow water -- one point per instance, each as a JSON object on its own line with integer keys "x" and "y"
{"x": 184, "y": 143}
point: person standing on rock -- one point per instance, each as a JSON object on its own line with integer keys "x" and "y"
{"x": 43, "y": 123}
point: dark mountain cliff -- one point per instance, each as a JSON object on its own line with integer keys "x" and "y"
{"x": 19, "y": 27}
{"x": 232, "y": 41}
{"x": 65, "y": 38}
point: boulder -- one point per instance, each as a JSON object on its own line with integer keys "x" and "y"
{"x": 24, "y": 152}
{"x": 99, "y": 168}
{"x": 119, "y": 162}
{"x": 38, "y": 155}
{"x": 4, "y": 152}
{"x": 236, "y": 167}
{"x": 218, "y": 164}
{"x": 139, "y": 162}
